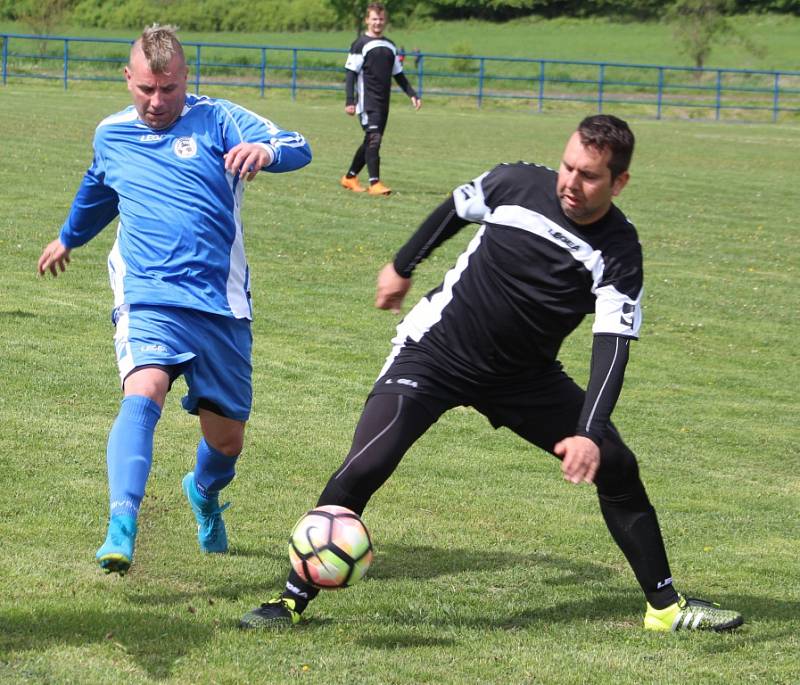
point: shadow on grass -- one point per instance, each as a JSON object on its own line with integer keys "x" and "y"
{"x": 153, "y": 640}
{"x": 16, "y": 314}
{"x": 425, "y": 562}
{"x": 400, "y": 641}
{"x": 229, "y": 592}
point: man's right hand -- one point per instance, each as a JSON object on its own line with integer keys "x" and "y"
{"x": 54, "y": 257}
{"x": 392, "y": 289}
{"x": 350, "y": 109}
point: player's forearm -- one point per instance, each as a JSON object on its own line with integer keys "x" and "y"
{"x": 609, "y": 359}
{"x": 290, "y": 151}
{"x": 441, "y": 224}
{"x": 350, "y": 87}
{"x": 93, "y": 208}
{"x": 402, "y": 81}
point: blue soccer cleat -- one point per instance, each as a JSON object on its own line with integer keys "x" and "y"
{"x": 210, "y": 527}
{"x": 116, "y": 554}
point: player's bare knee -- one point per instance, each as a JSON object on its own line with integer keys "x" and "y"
{"x": 149, "y": 381}
{"x": 229, "y": 443}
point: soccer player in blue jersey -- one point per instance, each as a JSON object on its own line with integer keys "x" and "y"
{"x": 172, "y": 166}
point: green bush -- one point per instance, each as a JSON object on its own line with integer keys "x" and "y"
{"x": 316, "y": 15}
{"x": 206, "y": 15}
{"x": 463, "y": 65}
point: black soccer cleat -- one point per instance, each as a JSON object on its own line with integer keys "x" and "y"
{"x": 279, "y": 612}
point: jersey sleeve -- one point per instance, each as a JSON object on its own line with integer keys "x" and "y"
{"x": 440, "y": 225}
{"x": 609, "y": 359}
{"x": 355, "y": 60}
{"x": 402, "y": 81}
{"x": 349, "y": 88}
{"x": 94, "y": 206}
{"x": 618, "y": 307}
{"x": 470, "y": 201}
{"x": 289, "y": 149}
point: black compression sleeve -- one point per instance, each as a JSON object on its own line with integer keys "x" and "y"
{"x": 350, "y": 87}
{"x": 609, "y": 358}
{"x": 443, "y": 223}
{"x": 402, "y": 81}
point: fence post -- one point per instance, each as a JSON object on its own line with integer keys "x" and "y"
{"x": 541, "y": 85}
{"x": 5, "y": 58}
{"x": 263, "y": 70}
{"x": 420, "y": 74}
{"x": 660, "y": 96}
{"x": 718, "y": 94}
{"x": 66, "y": 62}
{"x": 600, "y": 82}
{"x": 294, "y": 73}
{"x": 481, "y": 71}
{"x": 776, "y": 93}
{"x": 197, "y": 70}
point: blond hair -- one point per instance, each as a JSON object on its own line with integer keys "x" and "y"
{"x": 159, "y": 44}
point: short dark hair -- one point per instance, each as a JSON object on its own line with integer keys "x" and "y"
{"x": 607, "y": 132}
{"x": 377, "y": 7}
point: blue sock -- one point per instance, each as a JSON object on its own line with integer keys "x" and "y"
{"x": 214, "y": 470}
{"x": 130, "y": 453}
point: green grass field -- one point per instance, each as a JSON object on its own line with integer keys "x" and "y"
{"x": 489, "y": 567}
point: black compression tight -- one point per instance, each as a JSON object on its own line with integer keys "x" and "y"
{"x": 388, "y": 426}
{"x": 368, "y": 153}
{"x": 391, "y": 424}
{"x": 632, "y": 522}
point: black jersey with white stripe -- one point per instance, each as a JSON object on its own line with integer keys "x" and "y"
{"x": 375, "y": 62}
{"x": 526, "y": 280}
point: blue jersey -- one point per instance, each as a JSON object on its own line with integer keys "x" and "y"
{"x": 180, "y": 240}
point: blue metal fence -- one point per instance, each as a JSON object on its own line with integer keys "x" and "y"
{"x": 539, "y": 84}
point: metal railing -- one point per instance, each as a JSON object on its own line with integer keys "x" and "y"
{"x": 538, "y": 84}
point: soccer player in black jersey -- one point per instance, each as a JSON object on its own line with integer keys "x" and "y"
{"x": 552, "y": 248}
{"x": 370, "y": 66}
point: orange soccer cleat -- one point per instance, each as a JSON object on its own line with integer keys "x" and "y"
{"x": 378, "y": 188}
{"x": 351, "y": 183}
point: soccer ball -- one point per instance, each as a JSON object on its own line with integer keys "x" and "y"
{"x": 330, "y": 547}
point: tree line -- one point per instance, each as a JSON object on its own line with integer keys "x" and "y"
{"x": 298, "y": 15}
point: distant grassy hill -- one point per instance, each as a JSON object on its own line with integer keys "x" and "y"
{"x": 567, "y": 39}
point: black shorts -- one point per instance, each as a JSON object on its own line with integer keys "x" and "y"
{"x": 542, "y": 405}
{"x": 372, "y": 121}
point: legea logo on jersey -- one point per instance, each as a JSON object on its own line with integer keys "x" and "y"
{"x": 185, "y": 147}
{"x": 152, "y": 348}
{"x": 151, "y": 137}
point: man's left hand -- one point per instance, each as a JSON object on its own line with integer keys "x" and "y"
{"x": 580, "y": 458}
{"x": 247, "y": 159}
{"x": 416, "y": 102}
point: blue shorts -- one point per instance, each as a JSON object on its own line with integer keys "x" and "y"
{"x": 213, "y": 353}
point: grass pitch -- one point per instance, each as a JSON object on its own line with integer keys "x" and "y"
{"x": 489, "y": 567}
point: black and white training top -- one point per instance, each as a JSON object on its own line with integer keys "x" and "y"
{"x": 527, "y": 279}
{"x": 370, "y": 66}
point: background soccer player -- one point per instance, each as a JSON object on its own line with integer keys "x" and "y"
{"x": 173, "y": 166}
{"x": 372, "y": 62}
{"x": 552, "y": 248}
